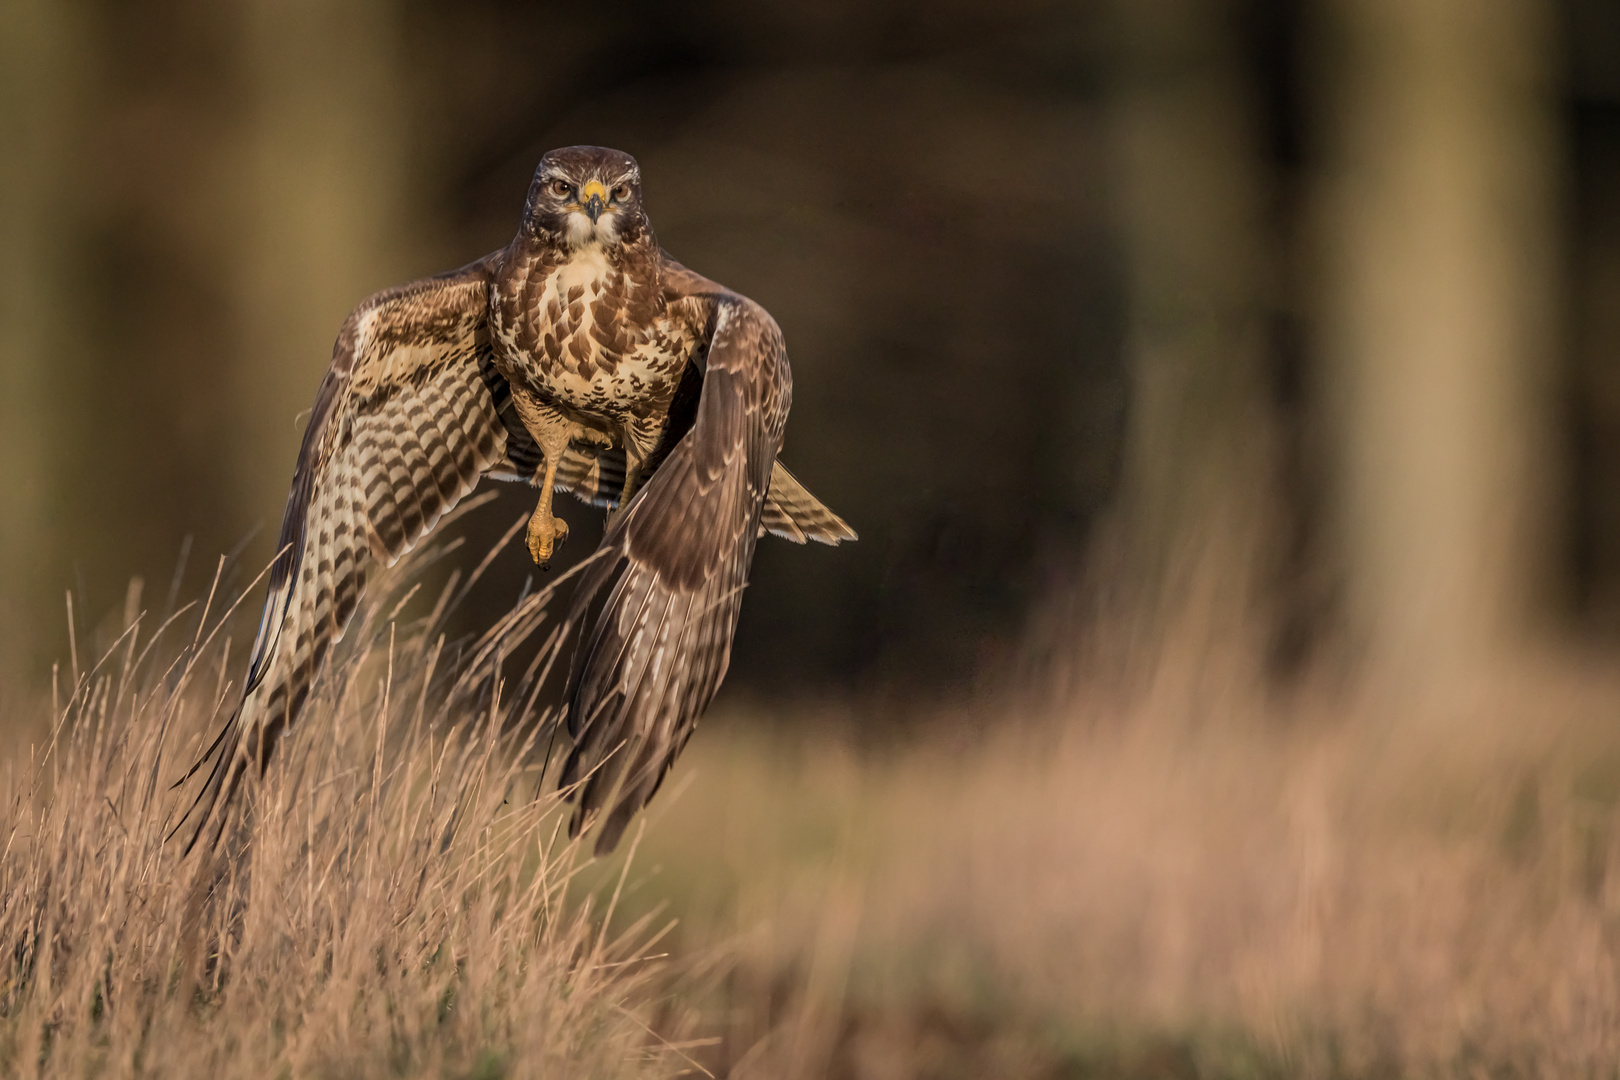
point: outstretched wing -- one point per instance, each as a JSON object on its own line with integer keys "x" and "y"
{"x": 651, "y": 658}
{"x": 410, "y": 415}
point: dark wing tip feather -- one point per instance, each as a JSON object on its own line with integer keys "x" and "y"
{"x": 213, "y": 800}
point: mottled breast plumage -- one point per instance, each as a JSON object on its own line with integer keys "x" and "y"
{"x": 592, "y": 333}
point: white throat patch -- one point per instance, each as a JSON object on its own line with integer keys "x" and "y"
{"x": 582, "y": 232}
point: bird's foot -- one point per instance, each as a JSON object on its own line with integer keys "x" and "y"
{"x": 546, "y": 535}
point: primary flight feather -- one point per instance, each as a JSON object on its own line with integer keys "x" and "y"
{"x": 581, "y": 358}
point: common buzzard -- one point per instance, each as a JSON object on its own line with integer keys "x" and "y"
{"x": 578, "y": 358}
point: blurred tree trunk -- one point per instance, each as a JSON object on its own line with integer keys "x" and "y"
{"x": 322, "y": 177}
{"x": 37, "y": 97}
{"x": 1436, "y": 320}
{"x": 1193, "y": 526}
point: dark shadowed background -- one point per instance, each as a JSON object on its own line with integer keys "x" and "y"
{"x": 1086, "y": 302}
{"x": 1227, "y": 395}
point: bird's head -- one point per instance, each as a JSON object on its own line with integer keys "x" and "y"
{"x": 584, "y": 195}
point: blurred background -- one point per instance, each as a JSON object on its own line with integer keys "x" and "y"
{"x": 1226, "y": 392}
{"x": 1305, "y": 309}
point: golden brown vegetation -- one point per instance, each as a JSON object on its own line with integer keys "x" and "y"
{"x": 393, "y": 906}
{"x": 1202, "y": 883}
{"x": 1198, "y": 881}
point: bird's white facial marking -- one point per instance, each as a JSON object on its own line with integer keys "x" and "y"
{"x": 582, "y": 232}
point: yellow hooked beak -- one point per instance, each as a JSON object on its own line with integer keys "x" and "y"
{"x": 593, "y": 197}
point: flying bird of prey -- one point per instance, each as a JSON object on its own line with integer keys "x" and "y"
{"x": 579, "y": 358}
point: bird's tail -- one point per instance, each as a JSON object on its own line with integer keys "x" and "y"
{"x": 792, "y": 513}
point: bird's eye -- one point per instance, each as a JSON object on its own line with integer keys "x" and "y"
{"x": 560, "y": 188}
{"x": 621, "y": 193}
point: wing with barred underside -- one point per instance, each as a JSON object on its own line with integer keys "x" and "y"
{"x": 410, "y": 416}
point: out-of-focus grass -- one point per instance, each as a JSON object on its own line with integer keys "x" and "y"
{"x": 392, "y": 907}
{"x": 1201, "y": 883}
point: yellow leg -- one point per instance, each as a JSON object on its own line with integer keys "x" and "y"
{"x": 546, "y": 532}
{"x": 632, "y": 481}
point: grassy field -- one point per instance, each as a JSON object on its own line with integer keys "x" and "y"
{"x": 393, "y": 906}
{"x": 1201, "y": 883}
{"x": 1196, "y": 880}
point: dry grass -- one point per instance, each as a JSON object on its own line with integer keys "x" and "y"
{"x": 1201, "y": 883}
{"x": 395, "y": 907}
